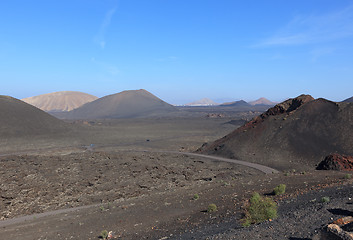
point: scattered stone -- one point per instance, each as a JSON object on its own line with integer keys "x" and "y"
{"x": 338, "y": 231}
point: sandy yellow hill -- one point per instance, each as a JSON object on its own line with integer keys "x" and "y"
{"x": 60, "y": 101}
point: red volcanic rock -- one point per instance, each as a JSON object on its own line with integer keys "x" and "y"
{"x": 287, "y": 106}
{"x": 336, "y": 162}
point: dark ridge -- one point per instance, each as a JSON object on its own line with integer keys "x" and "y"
{"x": 297, "y": 133}
{"x": 127, "y": 104}
{"x": 348, "y": 100}
{"x": 19, "y": 119}
{"x": 235, "y": 104}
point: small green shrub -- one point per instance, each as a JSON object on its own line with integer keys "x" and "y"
{"x": 212, "y": 208}
{"x": 259, "y": 210}
{"x": 286, "y": 174}
{"x": 325, "y": 199}
{"x": 226, "y": 183}
{"x": 348, "y": 176}
{"x": 104, "y": 234}
{"x": 280, "y": 189}
{"x": 196, "y": 196}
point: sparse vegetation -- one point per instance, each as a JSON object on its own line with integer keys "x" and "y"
{"x": 196, "y": 197}
{"x": 260, "y": 209}
{"x": 286, "y": 174}
{"x": 212, "y": 208}
{"x": 225, "y": 183}
{"x": 280, "y": 189}
{"x": 348, "y": 176}
{"x": 104, "y": 234}
{"x": 325, "y": 199}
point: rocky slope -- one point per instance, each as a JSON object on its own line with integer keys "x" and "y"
{"x": 297, "y": 133}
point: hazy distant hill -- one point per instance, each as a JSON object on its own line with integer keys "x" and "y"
{"x": 202, "y": 102}
{"x": 240, "y": 103}
{"x": 21, "y": 119}
{"x": 297, "y": 132}
{"x": 127, "y": 104}
{"x": 60, "y": 101}
{"x": 262, "y": 101}
{"x": 349, "y": 100}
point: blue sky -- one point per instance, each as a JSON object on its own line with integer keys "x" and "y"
{"x": 180, "y": 50}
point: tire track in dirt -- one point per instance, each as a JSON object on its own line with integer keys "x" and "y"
{"x": 262, "y": 168}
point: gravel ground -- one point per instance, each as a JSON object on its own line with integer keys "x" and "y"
{"x": 35, "y": 184}
{"x": 301, "y": 217}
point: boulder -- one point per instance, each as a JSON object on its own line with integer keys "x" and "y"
{"x": 336, "y": 162}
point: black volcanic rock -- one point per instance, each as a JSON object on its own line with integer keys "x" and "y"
{"x": 292, "y": 134}
{"x": 127, "y": 104}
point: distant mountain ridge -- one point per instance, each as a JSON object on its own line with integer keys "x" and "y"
{"x": 240, "y": 103}
{"x": 60, "y": 101}
{"x": 262, "y": 101}
{"x": 126, "y": 104}
{"x": 202, "y": 102}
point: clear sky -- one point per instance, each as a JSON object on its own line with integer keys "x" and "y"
{"x": 179, "y": 50}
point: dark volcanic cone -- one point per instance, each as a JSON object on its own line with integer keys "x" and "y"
{"x": 240, "y": 103}
{"x": 127, "y": 104}
{"x": 19, "y": 119}
{"x": 297, "y": 133}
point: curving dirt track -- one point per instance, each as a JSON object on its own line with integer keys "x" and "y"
{"x": 140, "y": 194}
{"x": 262, "y": 168}
{"x": 259, "y": 167}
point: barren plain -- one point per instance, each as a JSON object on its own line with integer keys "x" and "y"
{"x": 133, "y": 177}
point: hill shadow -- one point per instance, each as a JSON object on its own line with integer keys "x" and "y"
{"x": 340, "y": 211}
